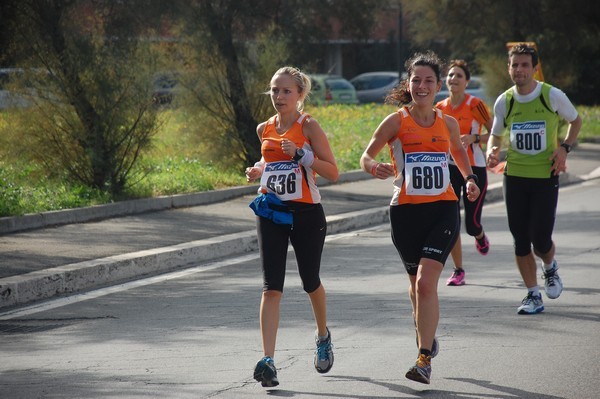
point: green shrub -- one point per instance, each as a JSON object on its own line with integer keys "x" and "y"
{"x": 349, "y": 129}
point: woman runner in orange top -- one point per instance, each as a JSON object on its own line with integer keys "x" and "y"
{"x": 423, "y": 210}
{"x": 471, "y": 114}
{"x": 294, "y": 149}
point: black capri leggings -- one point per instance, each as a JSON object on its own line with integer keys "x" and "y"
{"x": 531, "y": 210}
{"x": 472, "y": 209}
{"x": 424, "y": 231}
{"x": 307, "y": 237}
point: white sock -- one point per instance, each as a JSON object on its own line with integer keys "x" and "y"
{"x": 535, "y": 291}
{"x": 549, "y": 266}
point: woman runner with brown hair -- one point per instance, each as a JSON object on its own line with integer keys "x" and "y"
{"x": 472, "y": 114}
{"x": 423, "y": 210}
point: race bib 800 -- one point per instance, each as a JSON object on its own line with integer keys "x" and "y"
{"x": 528, "y": 137}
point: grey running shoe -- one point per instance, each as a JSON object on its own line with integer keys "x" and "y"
{"x": 324, "y": 354}
{"x": 553, "y": 284}
{"x": 531, "y": 304}
{"x": 266, "y": 373}
{"x": 421, "y": 371}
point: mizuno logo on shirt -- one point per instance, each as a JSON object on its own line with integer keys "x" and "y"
{"x": 528, "y": 125}
{"x": 426, "y": 157}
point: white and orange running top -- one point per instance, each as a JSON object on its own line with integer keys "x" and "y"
{"x": 471, "y": 114}
{"x": 283, "y": 176}
{"x": 420, "y": 159}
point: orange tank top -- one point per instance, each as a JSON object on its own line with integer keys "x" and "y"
{"x": 471, "y": 115}
{"x": 283, "y": 176}
{"x": 420, "y": 159}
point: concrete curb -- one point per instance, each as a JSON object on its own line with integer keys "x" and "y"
{"x": 44, "y": 284}
{"x": 13, "y": 224}
{"x": 82, "y": 276}
{"x": 75, "y": 277}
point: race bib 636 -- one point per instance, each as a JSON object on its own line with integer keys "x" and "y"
{"x": 283, "y": 179}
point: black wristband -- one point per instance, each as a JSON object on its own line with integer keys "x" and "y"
{"x": 472, "y": 177}
{"x": 477, "y": 139}
{"x": 299, "y": 154}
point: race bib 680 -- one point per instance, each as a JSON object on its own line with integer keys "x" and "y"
{"x": 426, "y": 173}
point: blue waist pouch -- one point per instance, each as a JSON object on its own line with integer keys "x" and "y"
{"x": 269, "y": 206}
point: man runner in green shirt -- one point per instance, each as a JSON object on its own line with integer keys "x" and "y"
{"x": 530, "y": 112}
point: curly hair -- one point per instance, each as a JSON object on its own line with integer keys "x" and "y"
{"x": 400, "y": 94}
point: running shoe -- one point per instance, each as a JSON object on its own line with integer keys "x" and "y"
{"x": 457, "y": 277}
{"x": 266, "y": 373}
{"x": 553, "y": 284}
{"x": 324, "y": 354}
{"x": 482, "y": 245}
{"x": 421, "y": 371}
{"x": 531, "y": 304}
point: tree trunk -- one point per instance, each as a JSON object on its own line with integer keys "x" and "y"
{"x": 221, "y": 29}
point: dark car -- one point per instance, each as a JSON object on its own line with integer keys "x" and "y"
{"x": 373, "y": 87}
{"x": 164, "y": 88}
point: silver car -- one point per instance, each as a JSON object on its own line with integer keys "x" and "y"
{"x": 373, "y": 87}
{"x": 476, "y": 87}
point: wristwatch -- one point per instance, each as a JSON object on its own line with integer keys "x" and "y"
{"x": 472, "y": 177}
{"x": 566, "y": 146}
{"x": 299, "y": 154}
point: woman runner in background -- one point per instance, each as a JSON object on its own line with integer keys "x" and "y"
{"x": 471, "y": 114}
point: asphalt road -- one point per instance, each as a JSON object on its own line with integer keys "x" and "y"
{"x": 194, "y": 333}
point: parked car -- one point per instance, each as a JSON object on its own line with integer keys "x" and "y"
{"x": 476, "y": 87}
{"x": 373, "y": 87}
{"x": 164, "y": 88}
{"x": 10, "y": 98}
{"x": 22, "y": 88}
{"x": 331, "y": 89}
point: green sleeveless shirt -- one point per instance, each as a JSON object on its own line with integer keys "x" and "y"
{"x": 533, "y": 129}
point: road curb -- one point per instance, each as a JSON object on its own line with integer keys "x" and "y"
{"x": 82, "y": 276}
{"x": 13, "y": 224}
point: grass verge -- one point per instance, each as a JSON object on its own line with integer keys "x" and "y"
{"x": 176, "y": 164}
